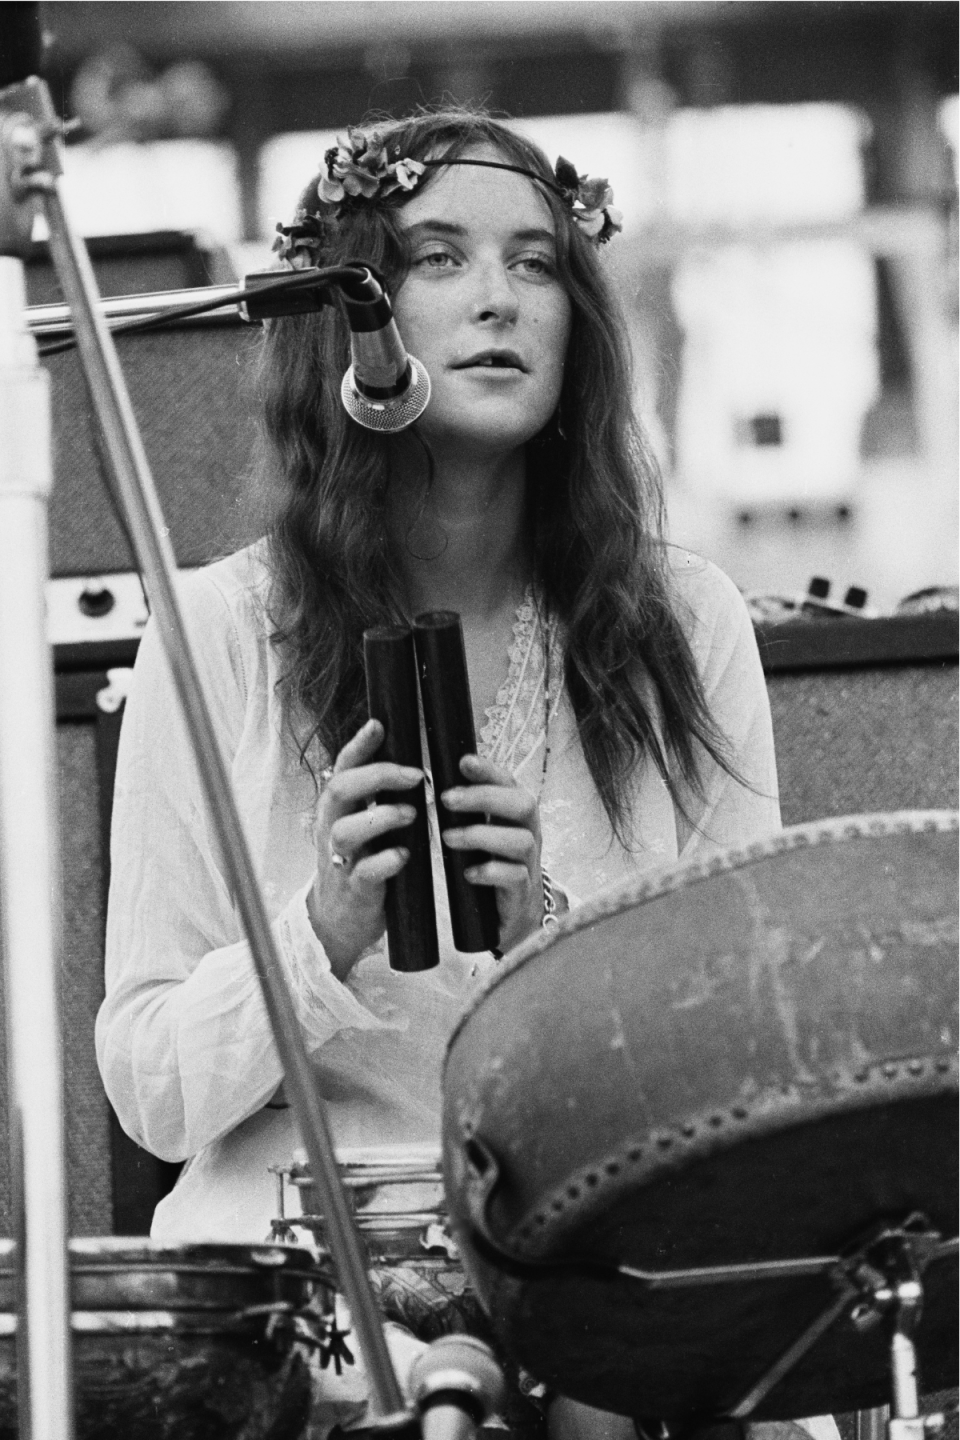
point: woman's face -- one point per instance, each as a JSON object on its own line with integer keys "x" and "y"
{"x": 482, "y": 306}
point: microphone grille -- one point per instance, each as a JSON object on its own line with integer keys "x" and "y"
{"x": 388, "y": 416}
{"x": 460, "y": 1363}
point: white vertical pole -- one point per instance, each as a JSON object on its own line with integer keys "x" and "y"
{"x": 29, "y": 881}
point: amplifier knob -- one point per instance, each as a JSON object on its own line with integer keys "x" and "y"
{"x": 96, "y": 600}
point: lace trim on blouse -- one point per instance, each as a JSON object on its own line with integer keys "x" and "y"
{"x": 516, "y": 724}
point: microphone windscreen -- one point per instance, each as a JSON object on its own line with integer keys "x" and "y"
{"x": 21, "y": 42}
{"x": 458, "y": 1366}
{"x": 387, "y": 416}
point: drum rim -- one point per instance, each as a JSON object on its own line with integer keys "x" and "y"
{"x": 677, "y": 874}
{"x": 126, "y": 1255}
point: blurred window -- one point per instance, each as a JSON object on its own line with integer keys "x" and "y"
{"x": 779, "y": 357}
{"x": 130, "y": 188}
{"x": 763, "y": 163}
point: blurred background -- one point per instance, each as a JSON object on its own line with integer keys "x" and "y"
{"x": 788, "y": 177}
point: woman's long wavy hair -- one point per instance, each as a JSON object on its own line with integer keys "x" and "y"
{"x": 594, "y": 509}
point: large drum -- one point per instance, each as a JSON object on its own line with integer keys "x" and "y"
{"x": 736, "y": 1063}
{"x": 198, "y": 1342}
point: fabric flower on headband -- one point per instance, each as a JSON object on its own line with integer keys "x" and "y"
{"x": 596, "y": 216}
{"x": 358, "y": 165}
{"x": 299, "y": 244}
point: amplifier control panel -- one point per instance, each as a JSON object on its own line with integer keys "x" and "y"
{"x": 90, "y": 608}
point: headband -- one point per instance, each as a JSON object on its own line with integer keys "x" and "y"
{"x": 358, "y": 168}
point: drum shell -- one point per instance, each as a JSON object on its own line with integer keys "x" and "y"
{"x": 683, "y": 1043}
{"x": 193, "y": 1342}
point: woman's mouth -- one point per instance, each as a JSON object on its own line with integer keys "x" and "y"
{"x": 492, "y": 360}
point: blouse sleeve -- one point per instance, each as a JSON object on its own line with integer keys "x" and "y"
{"x": 183, "y": 1038}
{"x": 734, "y": 809}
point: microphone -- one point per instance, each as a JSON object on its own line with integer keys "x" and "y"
{"x": 456, "y": 1385}
{"x": 384, "y": 389}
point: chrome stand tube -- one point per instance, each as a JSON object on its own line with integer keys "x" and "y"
{"x": 29, "y": 882}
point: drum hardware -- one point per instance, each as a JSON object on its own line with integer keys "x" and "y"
{"x": 426, "y": 1227}
{"x": 881, "y": 1278}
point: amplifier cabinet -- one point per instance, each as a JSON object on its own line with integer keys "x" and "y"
{"x": 864, "y": 713}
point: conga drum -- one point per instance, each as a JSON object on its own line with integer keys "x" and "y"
{"x": 671, "y": 1120}
{"x": 192, "y": 1342}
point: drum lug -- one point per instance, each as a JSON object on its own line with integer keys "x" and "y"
{"x": 482, "y": 1178}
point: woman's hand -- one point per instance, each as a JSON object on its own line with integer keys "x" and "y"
{"x": 346, "y": 903}
{"x": 511, "y": 839}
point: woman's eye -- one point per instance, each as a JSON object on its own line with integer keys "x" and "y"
{"x": 537, "y": 265}
{"x": 436, "y": 260}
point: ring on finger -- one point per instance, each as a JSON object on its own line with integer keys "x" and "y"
{"x": 338, "y": 861}
{"x": 326, "y": 775}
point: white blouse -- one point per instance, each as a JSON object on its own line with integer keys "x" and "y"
{"x": 183, "y": 1040}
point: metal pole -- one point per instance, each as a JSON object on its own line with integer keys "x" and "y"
{"x": 138, "y": 498}
{"x": 872, "y": 1424}
{"x": 29, "y": 882}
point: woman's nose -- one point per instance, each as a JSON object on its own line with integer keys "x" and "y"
{"x": 495, "y": 297}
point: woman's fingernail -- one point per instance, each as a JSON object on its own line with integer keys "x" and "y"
{"x": 470, "y": 873}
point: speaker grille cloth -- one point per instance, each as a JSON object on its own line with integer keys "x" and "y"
{"x": 189, "y": 389}
{"x": 853, "y": 741}
{"x": 81, "y": 982}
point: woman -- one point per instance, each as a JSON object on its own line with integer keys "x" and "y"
{"x": 620, "y": 706}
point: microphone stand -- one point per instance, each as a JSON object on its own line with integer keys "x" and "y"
{"x": 34, "y": 159}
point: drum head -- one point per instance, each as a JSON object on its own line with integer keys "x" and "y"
{"x": 752, "y": 1059}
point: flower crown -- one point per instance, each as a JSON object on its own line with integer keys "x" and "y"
{"x": 358, "y": 168}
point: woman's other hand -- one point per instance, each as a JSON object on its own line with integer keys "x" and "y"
{"x": 346, "y": 902}
{"x": 511, "y": 838}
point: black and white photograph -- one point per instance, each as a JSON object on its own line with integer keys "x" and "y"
{"x": 479, "y": 550}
